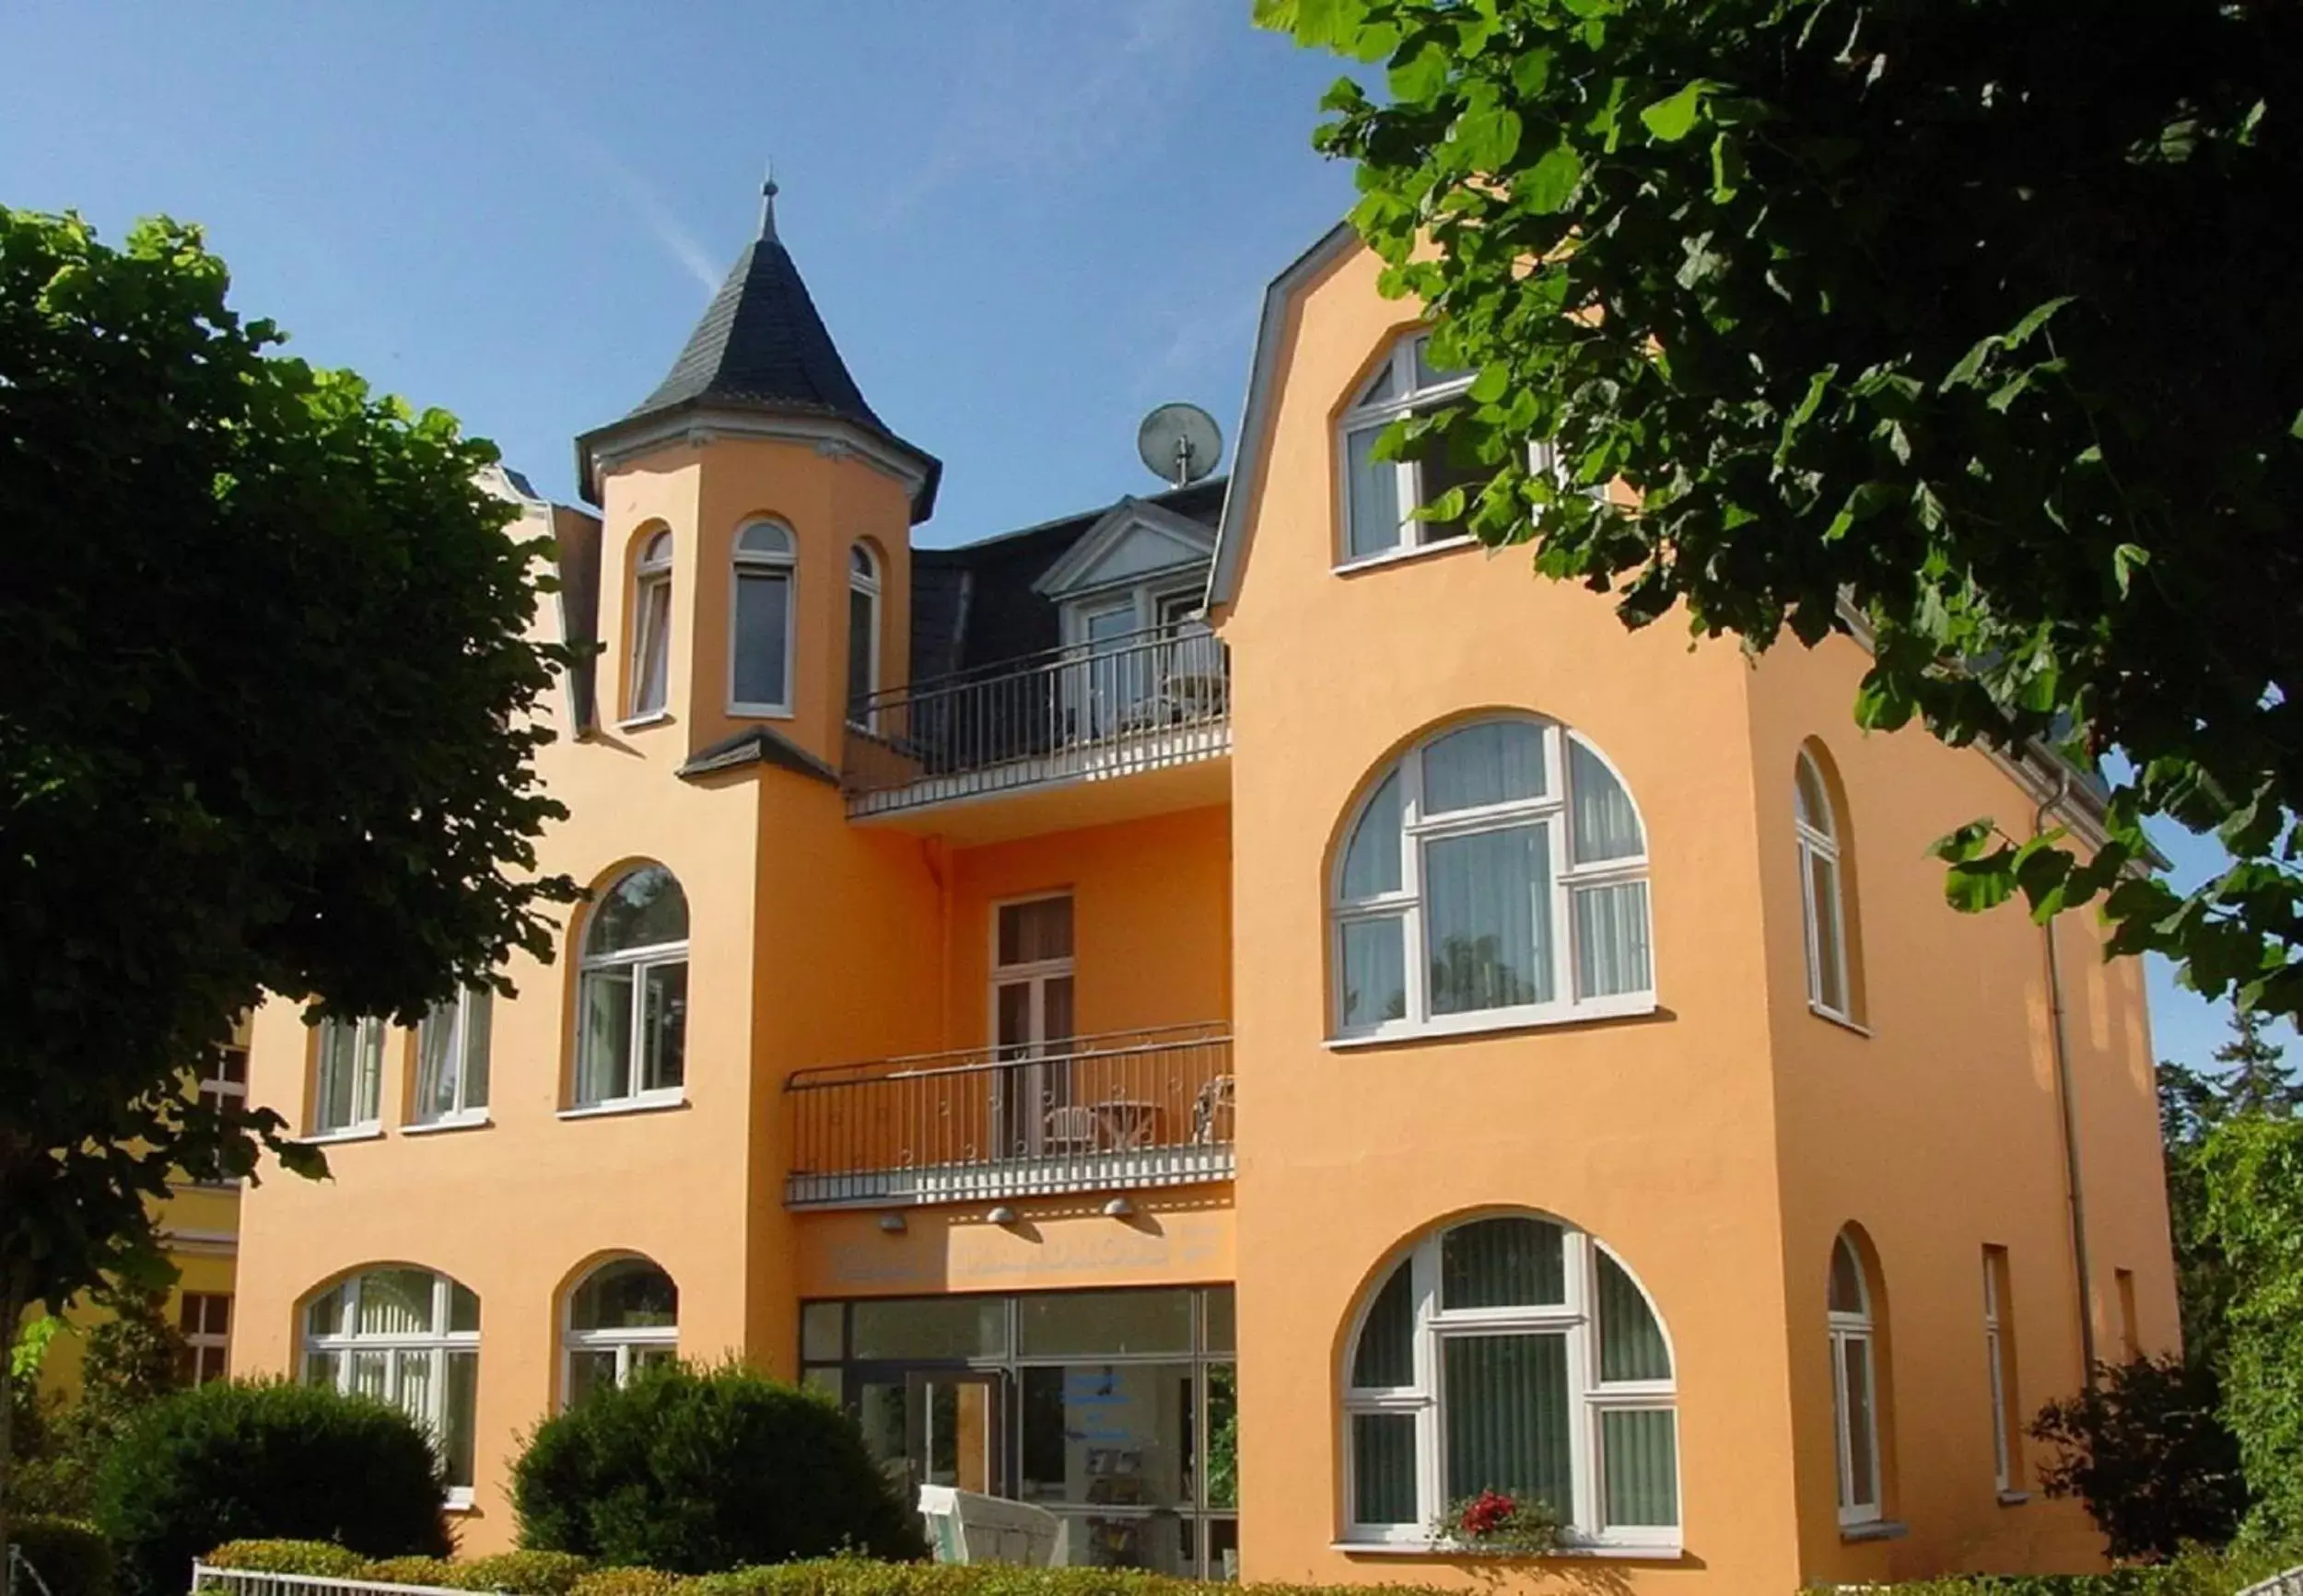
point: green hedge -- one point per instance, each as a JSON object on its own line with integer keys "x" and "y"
{"x": 70, "y": 1555}
{"x": 554, "y": 1573}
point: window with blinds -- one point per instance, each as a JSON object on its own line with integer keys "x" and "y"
{"x": 1511, "y": 1353}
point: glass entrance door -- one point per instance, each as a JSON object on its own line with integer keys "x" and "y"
{"x": 954, "y": 1431}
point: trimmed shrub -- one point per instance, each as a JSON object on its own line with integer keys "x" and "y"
{"x": 229, "y": 1461}
{"x": 2144, "y": 1449}
{"x": 437, "y": 1572}
{"x": 522, "y": 1573}
{"x": 632, "y": 1582}
{"x": 323, "y": 1558}
{"x": 691, "y": 1471}
{"x": 69, "y": 1555}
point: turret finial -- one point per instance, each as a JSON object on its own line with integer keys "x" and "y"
{"x": 768, "y": 204}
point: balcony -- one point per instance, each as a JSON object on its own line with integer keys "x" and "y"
{"x": 1117, "y": 1112}
{"x": 1091, "y": 712}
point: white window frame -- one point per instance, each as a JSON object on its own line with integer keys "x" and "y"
{"x": 210, "y": 1350}
{"x": 1149, "y": 602}
{"x": 1577, "y": 1317}
{"x": 1856, "y": 1326}
{"x": 438, "y": 1342}
{"x": 1371, "y": 416}
{"x": 760, "y": 563}
{"x": 1554, "y": 810}
{"x": 1818, "y": 844}
{"x": 639, "y": 962}
{"x": 1995, "y": 1365}
{"x": 863, "y": 580}
{"x": 216, "y": 1087}
{"x": 651, "y": 633}
{"x": 628, "y": 1344}
{"x": 457, "y": 1015}
{"x": 367, "y": 1077}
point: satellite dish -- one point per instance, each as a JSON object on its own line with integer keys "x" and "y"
{"x": 1179, "y": 443}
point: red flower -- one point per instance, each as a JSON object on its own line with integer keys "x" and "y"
{"x": 1487, "y": 1513}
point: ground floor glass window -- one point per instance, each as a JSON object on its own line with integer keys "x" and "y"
{"x": 408, "y": 1337}
{"x": 1118, "y": 1410}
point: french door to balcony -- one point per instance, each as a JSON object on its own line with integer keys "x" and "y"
{"x": 1032, "y": 1026}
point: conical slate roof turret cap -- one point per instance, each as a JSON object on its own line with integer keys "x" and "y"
{"x": 761, "y": 345}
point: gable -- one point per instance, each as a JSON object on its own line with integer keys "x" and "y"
{"x": 1132, "y": 540}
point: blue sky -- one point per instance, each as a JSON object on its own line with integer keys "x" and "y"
{"x": 1026, "y": 221}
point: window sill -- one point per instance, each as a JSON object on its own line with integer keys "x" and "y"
{"x": 1430, "y": 1549}
{"x": 1874, "y": 1530}
{"x": 1839, "y": 1019}
{"x": 1402, "y": 556}
{"x": 459, "y": 1500}
{"x": 759, "y": 712}
{"x": 1484, "y": 1025}
{"x": 654, "y": 1102}
{"x": 637, "y": 722}
{"x": 2014, "y": 1498}
{"x": 367, "y": 1132}
{"x": 458, "y": 1122}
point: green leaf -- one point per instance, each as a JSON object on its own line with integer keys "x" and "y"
{"x": 1550, "y": 182}
{"x": 2034, "y": 321}
{"x": 1419, "y": 76}
{"x": 1531, "y": 72}
{"x": 1489, "y": 386}
{"x": 1673, "y": 118}
{"x": 2125, "y": 560}
{"x": 1727, "y": 167}
{"x": 1489, "y": 138}
{"x": 1976, "y": 885}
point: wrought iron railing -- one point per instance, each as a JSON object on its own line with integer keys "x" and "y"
{"x": 1136, "y": 1108}
{"x": 1140, "y": 701}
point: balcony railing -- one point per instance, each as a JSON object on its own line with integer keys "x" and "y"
{"x": 1116, "y": 1112}
{"x": 1098, "y": 709}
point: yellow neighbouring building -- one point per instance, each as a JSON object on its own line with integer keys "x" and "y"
{"x": 200, "y": 1231}
{"x": 1239, "y": 1019}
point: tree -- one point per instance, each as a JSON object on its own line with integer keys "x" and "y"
{"x": 2144, "y": 1449}
{"x": 2255, "y": 1077}
{"x": 1968, "y": 324}
{"x": 265, "y": 726}
{"x": 2253, "y": 1167}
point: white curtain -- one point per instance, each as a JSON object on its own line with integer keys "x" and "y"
{"x": 1375, "y": 494}
{"x": 1371, "y": 863}
{"x": 1487, "y": 915}
{"x": 1611, "y": 939}
{"x": 603, "y": 1066}
{"x": 394, "y": 1302}
{"x": 1606, "y": 826}
{"x": 763, "y": 621}
{"x": 1492, "y": 763}
{"x": 1375, "y": 971}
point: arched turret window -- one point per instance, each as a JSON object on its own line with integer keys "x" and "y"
{"x": 631, "y": 1046}
{"x": 864, "y": 633}
{"x": 652, "y": 627}
{"x": 759, "y": 649}
{"x": 1496, "y": 874}
{"x": 1822, "y": 890}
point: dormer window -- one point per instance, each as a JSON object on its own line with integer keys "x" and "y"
{"x": 1381, "y": 496}
{"x": 652, "y": 627}
{"x": 759, "y": 651}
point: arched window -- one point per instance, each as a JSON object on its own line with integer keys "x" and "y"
{"x": 409, "y": 1337}
{"x": 1821, "y": 901}
{"x": 631, "y": 1048}
{"x": 1855, "y": 1384}
{"x": 863, "y": 634}
{"x": 1381, "y": 496}
{"x": 652, "y": 627}
{"x": 1496, "y": 875}
{"x": 759, "y": 654}
{"x": 621, "y": 1317}
{"x": 1515, "y": 1354}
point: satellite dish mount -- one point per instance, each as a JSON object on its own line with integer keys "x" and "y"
{"x": 1179, "y": 444}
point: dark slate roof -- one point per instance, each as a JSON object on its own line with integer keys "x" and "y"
{"x": 974, "y": 605}
{"x": 762, "y": 345}
{"x": 757, "y": 745}
{"x": 760, "y": 342}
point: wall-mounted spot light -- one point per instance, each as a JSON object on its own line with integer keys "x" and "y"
{"x": 1003, "y": 1215}
{"x": 1119, "y": 1208}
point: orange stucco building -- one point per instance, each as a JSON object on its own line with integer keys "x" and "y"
{"x": 1241, "y": 1020}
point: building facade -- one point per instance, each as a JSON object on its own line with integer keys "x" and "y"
{"x": 1232, "y": 1019}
